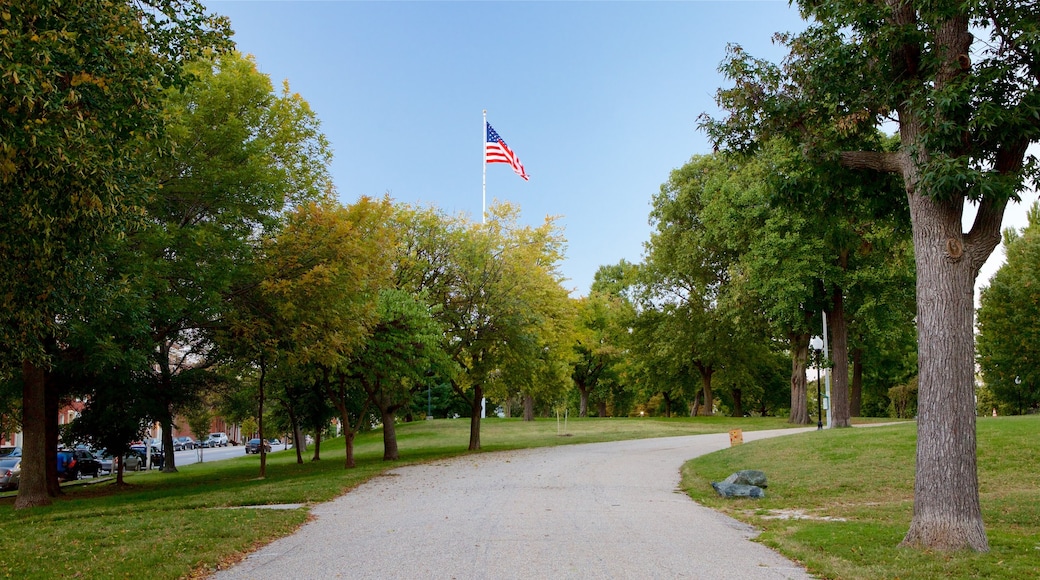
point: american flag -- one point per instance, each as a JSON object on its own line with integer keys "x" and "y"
{"x": 496, "y": 151}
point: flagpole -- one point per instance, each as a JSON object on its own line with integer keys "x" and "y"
{"x": 483, "y": 200}
{"x": 483, "y": 180}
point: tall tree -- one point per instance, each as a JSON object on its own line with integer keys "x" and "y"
{"x": 324, "y": 276}
{"x": 688, "y": 277}
{"x": 659, "y": 364}
{"x": 537, "y": 364}
{"x": 966, "y": 111}
{"x": 1009, "y": 322}
{"x": 403, "y": 351}
{"x": 494, "y": 295}
{"x": 81, "y": 92}
{"x": 428, "y": 266}
{"x": 303, "y": 406}
{"x": 243, "y": 154}
{"x": 800, "y": 233}
{"x": 599, "y": 344}
{"x": 777, "y": 251}
{"x": 617, "y": 282}
{"x": 103, "y": 362}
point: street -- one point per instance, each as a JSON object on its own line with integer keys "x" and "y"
{"x": 189, "y": 456}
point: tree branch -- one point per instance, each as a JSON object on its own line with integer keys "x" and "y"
{"x": 985, "y": 230}
{"x": 874, "y": 160}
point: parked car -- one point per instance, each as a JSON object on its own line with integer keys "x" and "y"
{"x": 218, "y": 439}
{"x": 158, "y": 459}
{"x": 105, "y": 460}
{"x": 253, "y": 446}
{"x": 86, "y": 463}
{"x": 10, "y": 472}
{"x": 182, "y": 443}
{"x": 274, "y": 441}
{"x": 10, "y": 451}
{"x": 135, "y": 460}
{"x": 131, "y": 461}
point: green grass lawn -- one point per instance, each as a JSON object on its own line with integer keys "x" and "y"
{"x": 840, "y": 501}
{"x": 180, "y": 525}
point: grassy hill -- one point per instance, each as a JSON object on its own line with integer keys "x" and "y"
{"x": 840, "y": 501}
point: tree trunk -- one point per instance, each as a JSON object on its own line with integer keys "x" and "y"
{"x": 696, "y": 407}
{"x": 583, "y": 406}
{"x": 299, "y": 442}
{"x": 348, "y": 438}
{"x": 709, "y": 399}
{"x": 51, "y": 407}
{"x": 840, "y": 361}
{"x": 799, "y": 400}
{"x": 317, "y": 446}
{"x": 856, "y": 392}
{"x": 294, "y": 425}
{"x": 169, "y": 465}
{"x": 474, "y": 420}
{"x": 528, "y": 407}
{"x": 165, "y": 388}
{"x": 738, "y": 407}
{"x": 947, "y": 515}
{"x": 32, "y": 489}
{"x": 601, "y": 408}
{"x": 390, "y": 452}
{"x": 340, "y": 399}
{"x": 260, "y": 420}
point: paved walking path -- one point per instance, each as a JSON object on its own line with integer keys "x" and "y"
{"x": 600, "y": 510}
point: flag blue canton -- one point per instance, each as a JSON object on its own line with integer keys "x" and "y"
{"x": 492, "y": 135}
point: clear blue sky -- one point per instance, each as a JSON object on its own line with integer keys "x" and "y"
{"x": 599, "y": 100}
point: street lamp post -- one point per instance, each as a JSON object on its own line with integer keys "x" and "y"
{"x": 817, "y": 345}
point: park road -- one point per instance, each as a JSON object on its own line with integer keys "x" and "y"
{"x": 598, "y": 510}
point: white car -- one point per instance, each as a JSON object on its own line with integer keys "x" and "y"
{"x": 217, "y": 439}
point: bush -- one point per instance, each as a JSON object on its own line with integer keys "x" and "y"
{"x": 904, "y": 400}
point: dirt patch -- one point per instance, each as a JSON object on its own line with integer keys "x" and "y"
{"x": 798, "y": 515}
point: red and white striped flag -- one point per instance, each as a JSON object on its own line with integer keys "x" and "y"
{"x": 496, "y": 151}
